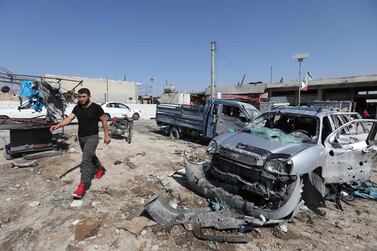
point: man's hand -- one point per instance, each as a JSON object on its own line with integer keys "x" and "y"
{"x": 107, "y": 139}
{"x": 53, "y": 128}
{"x": 64, "y": 122}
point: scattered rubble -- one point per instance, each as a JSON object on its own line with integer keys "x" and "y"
{"x": 27, "y": 164}
{"x": 44, "y": 154}
{"x": 71, "y": 150}
{"x": 34, "y": 203}
{"x": 77, "y": 203}
{"x": 87, "y": 228}
{"x": 129, "y": 163}
{"x": 119, "y": 201}
{"x": 118, "y": 162}
{"x": 74, "y": 223}
{"x": 136, "y": 225}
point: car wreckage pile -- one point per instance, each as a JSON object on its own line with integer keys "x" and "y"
{"x": 32, "y": 134}
{"x": 264, "y": 174}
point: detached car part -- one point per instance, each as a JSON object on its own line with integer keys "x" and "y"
{"x": 197, "y": 218}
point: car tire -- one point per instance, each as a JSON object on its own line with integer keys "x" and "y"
{"x": 107, "y": 117}
{"x": 174, "y": 133}
{"x": 135, "y": 116}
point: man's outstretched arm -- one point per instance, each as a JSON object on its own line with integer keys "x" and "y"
{"x": 64, "y": 122}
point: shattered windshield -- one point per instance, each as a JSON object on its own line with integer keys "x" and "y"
{"x": 285, "y": 128}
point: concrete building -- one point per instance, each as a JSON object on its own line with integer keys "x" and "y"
{"x": 361, "y": 90}
{"x": 104, "y": 89}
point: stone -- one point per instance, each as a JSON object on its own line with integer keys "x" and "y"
{"x": 77, "y": 203}
{"x": 118, "y": 162}
{"x": 34, "y": 203}
{"x": 136, "y": 225}
{"x": 8, "y": 199}
{"x": 75, "y": 222}
{"x": 284, "y": 228}
{"x": 71, "y": 150}
{"x": 87, "y": 228}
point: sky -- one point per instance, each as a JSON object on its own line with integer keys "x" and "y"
{"x": 169, "y": 40}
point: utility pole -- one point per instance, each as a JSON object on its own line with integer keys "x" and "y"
{"x": 151, "y": 90}
{"x": 271, "y": 75}
{"x": 213, "y": 91}
{"x": 107, "y": 89}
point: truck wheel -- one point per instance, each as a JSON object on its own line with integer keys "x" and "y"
{"x": 174, "y": 133}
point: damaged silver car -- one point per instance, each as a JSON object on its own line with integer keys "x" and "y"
{"x": 284, "y": 159}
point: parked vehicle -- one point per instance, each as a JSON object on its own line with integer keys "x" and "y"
{"x": 285, "y": 158}
{"x": 13, "y": 110}
{"x": 215, "y": 118}
{"x": 121, "y": 127}
{"x": 115, "y": 109}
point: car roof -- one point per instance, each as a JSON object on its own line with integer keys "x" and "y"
{"x": 309, "y": 111}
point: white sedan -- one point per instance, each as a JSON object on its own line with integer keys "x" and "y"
{"x": 114, "y": 109}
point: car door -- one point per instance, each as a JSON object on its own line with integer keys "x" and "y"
{"x": 110, "y": 109}
{"x": 123, "y": 110}
{"x": 229, "y": 119}
{"x": 350, "y": 152}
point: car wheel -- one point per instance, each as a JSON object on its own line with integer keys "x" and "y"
{"x": 174, "y": 133}
{"x": 136, "y": 116}
{"x": 107, "y": 117}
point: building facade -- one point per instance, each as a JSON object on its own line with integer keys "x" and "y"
{"x": 102, "y": 89}
{"x": 361, "y": 90}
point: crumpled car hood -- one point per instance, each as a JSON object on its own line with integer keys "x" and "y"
{"x": 230, "y": 140}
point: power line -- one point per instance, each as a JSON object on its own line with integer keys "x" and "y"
{"x": 233, "y": 65}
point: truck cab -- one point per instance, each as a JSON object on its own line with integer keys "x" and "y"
{"x": 227, "y": 116}
{"x": 216, "y": 117}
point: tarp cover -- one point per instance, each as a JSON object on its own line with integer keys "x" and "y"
{"x": 33, "y": 94}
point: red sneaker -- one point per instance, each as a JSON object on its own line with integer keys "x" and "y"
{"x": 80, "y": 191}
{"x": 100, "y": 173}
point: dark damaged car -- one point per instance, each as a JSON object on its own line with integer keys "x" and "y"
{"x": 284, "y": 159}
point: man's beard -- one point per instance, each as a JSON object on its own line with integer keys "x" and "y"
{"x": 86, "y": 103}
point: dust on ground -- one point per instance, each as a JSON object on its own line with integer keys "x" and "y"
{"x": 36, "y": 212}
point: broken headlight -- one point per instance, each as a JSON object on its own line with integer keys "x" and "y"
{"x": 279, "y": 166}
{"x": 212, "y": 147}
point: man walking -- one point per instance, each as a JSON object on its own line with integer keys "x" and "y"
{"x": 88, "y": 114}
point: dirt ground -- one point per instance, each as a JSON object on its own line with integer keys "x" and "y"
{"x": 49, "y": 222}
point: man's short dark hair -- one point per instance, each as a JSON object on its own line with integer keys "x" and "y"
{"x": 84, "y": 91}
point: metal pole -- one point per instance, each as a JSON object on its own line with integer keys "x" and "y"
{"x": 299, "y": 81}
{"x": 271, "y": 75}
{"x": 213, "y": 47}
{"x": 107, "y": 90}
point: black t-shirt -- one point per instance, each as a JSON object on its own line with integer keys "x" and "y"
{"x": 88, "y": 118}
